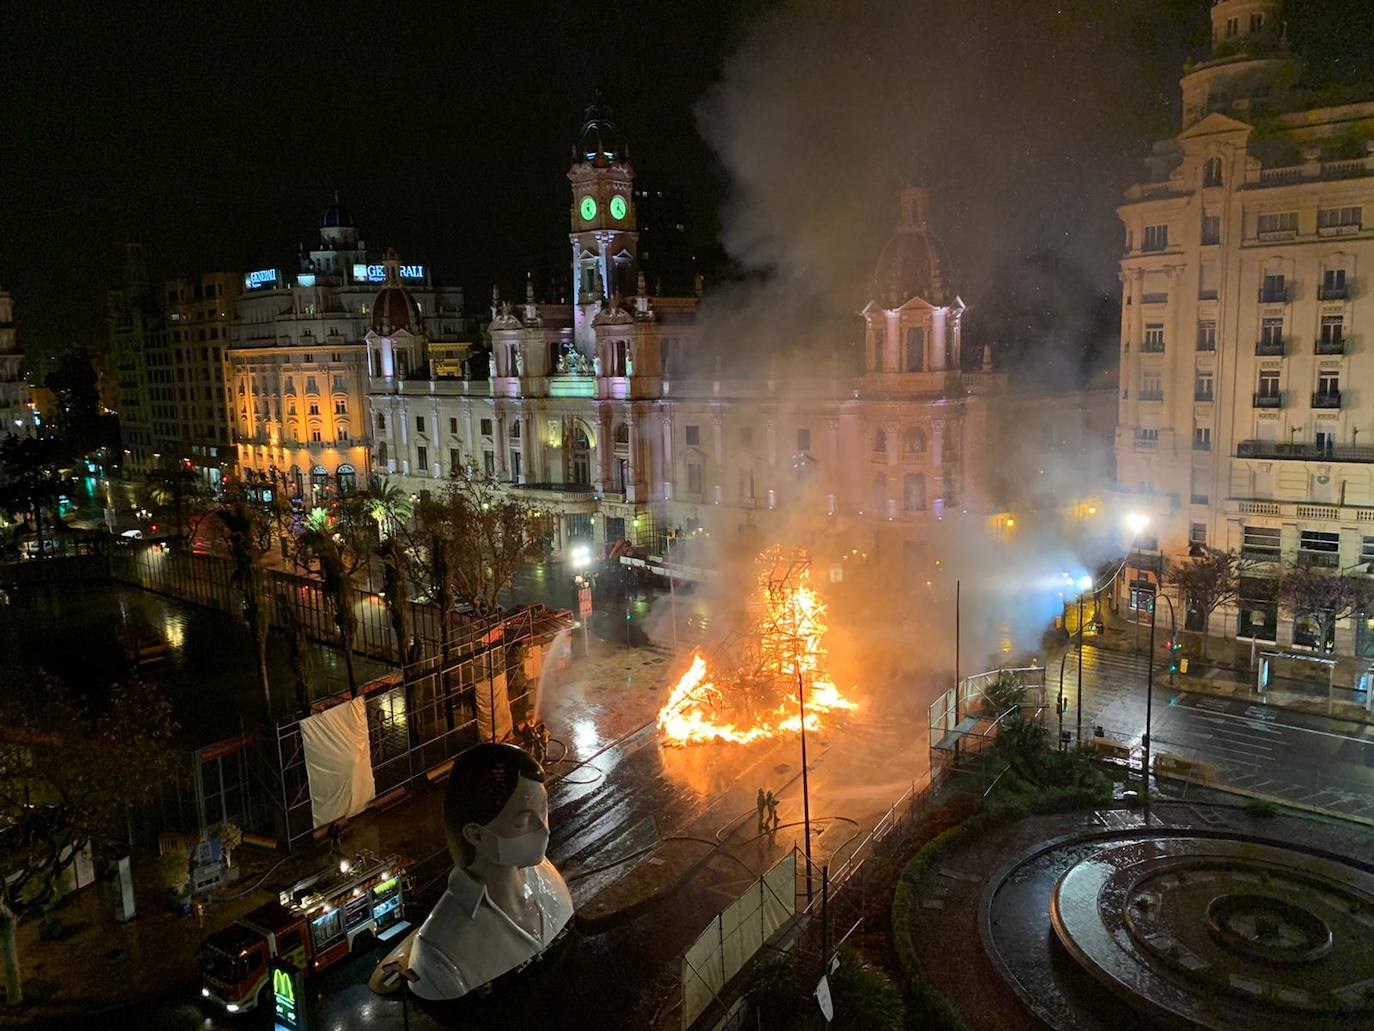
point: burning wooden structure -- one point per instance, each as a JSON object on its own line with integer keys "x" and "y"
{"x": 750, "y": 689}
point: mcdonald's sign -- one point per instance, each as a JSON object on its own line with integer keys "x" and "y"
{"x": 286, "y": 984}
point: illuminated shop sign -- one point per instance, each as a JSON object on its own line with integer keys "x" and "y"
{"x": 377, "y": 273}
{"x": 305, "y": 279}
{"x": 262, "y": 277}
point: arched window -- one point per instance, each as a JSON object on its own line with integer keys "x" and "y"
{"x": 381, "y": 452}
{"x": 1211, "y": 172}
{"x": 319, "y": 477}
{"x": 381, "y": 421}
{"x": 913, "y": 493}
{"x": 622, "y": 435}
{"x": 515, "y": 429}
{"x": 880, "y": 493}
{"x": 348, "y": 479}
{"x": 913, "y": 441}
{"x": 297, "y": 481}
{"x": 880, "y": 440}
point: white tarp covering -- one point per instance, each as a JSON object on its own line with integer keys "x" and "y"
{"x": 493, "y": 708}
{"x": 735, "y": 935}
{"x": 338, "y": 761}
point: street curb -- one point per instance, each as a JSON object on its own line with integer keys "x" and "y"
{"x": 1278, "y": 800}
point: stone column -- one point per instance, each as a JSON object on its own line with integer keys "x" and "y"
{"x": 937, "y": 339}
{"x": 892, "y": 345}
{"x": 667, "y": 460}
{"x": 604, "y": 448}
{"x": 502, "y": 444}
{"x": 632, "y": 477}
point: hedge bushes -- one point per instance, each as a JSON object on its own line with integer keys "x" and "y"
{"x": 927, "y": 1007}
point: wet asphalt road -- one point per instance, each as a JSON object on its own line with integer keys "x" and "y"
{"x": 1301, "y": 757}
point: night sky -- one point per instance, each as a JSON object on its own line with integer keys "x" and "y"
{"x": 217, "y": 133}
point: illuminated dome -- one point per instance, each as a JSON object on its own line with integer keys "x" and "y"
{"x": 336, "y": 216}
{"x": 394, "y": 310}
{"x": 599, "y": 138}
{"x": 909, "y": 265}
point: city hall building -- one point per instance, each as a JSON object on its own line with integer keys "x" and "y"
{"x": 1247, "y": 408}
{"x": 616, "y": 420}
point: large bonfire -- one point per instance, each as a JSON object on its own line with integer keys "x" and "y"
{"x": 754, "y": 694}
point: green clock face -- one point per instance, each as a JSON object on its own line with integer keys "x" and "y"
{"x": 617, "y": 208}
{"x": 588, "y": 209}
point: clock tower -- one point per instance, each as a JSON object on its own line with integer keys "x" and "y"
{"x": 605, "y": 242}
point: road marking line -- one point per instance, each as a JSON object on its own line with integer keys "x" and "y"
{"x": 1291, "y": 726}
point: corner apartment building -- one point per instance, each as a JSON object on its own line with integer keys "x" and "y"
{"x": 298, "y": 364}
{"x": 166, "y": 367}
{"x": 1247, "y": 362}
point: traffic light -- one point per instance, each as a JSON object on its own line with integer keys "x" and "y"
{"x": 1174, "y": 648}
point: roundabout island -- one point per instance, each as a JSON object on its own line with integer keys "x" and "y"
{"x": 1207, "y": 917}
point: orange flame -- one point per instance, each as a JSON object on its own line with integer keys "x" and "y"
{"x": 785, "y": 648}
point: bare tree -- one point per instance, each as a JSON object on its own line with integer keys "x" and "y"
{"x": 177, "y": 494}
{"x": 67, "y": 778}
{"x": 486, "y": 536}
{"x": 1324, "y": 597}
{"x": 1206, "y": 582}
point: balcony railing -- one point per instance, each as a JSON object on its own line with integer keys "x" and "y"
{"x": 1269, "y": 400}
{"x": 1152, "y": 347}
{"x": 1335, "y": 345}
{"x": 1270, "y": 348}
{"x": 1322, "y": 559}
{"x": 1151, "y": 395}
{"x": 1332, "y": 453}
{"x": 1199, "y": 395}
{"x": 1273, "y": 295}
{"x": 1333, "y": 293}
{"x": 1326, "y": 399}
{"x": 1154, "y": 298}
{"x": 1260, "y": 554}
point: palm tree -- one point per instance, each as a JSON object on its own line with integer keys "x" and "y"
{"x": 391, "y": 509}
{"x": 248, "y": 536}
{"x": 337, "y": 561}
{"x": 298, "y": 647}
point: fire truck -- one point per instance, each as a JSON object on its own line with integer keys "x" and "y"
{"x": 317, "y": 921}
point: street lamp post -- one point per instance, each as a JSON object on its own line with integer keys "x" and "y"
{"x": 806, "y": 786}
{"x": 1063, "y": 659}
{"x": 1149, "y": 703}
{"x": 672, "y": 589}
{"x": 1084, "y": 583}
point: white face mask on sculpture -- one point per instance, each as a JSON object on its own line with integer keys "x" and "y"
{"x": 523, "y": 850}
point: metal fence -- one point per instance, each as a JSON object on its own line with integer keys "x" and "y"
{"x": 833, "y": 913}
{"x": 207, "y": 579}
{"x": 734, "y": 937}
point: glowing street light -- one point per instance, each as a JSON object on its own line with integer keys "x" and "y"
{"x": 581, "y": 556}
{"x": 1137, "y": 521}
